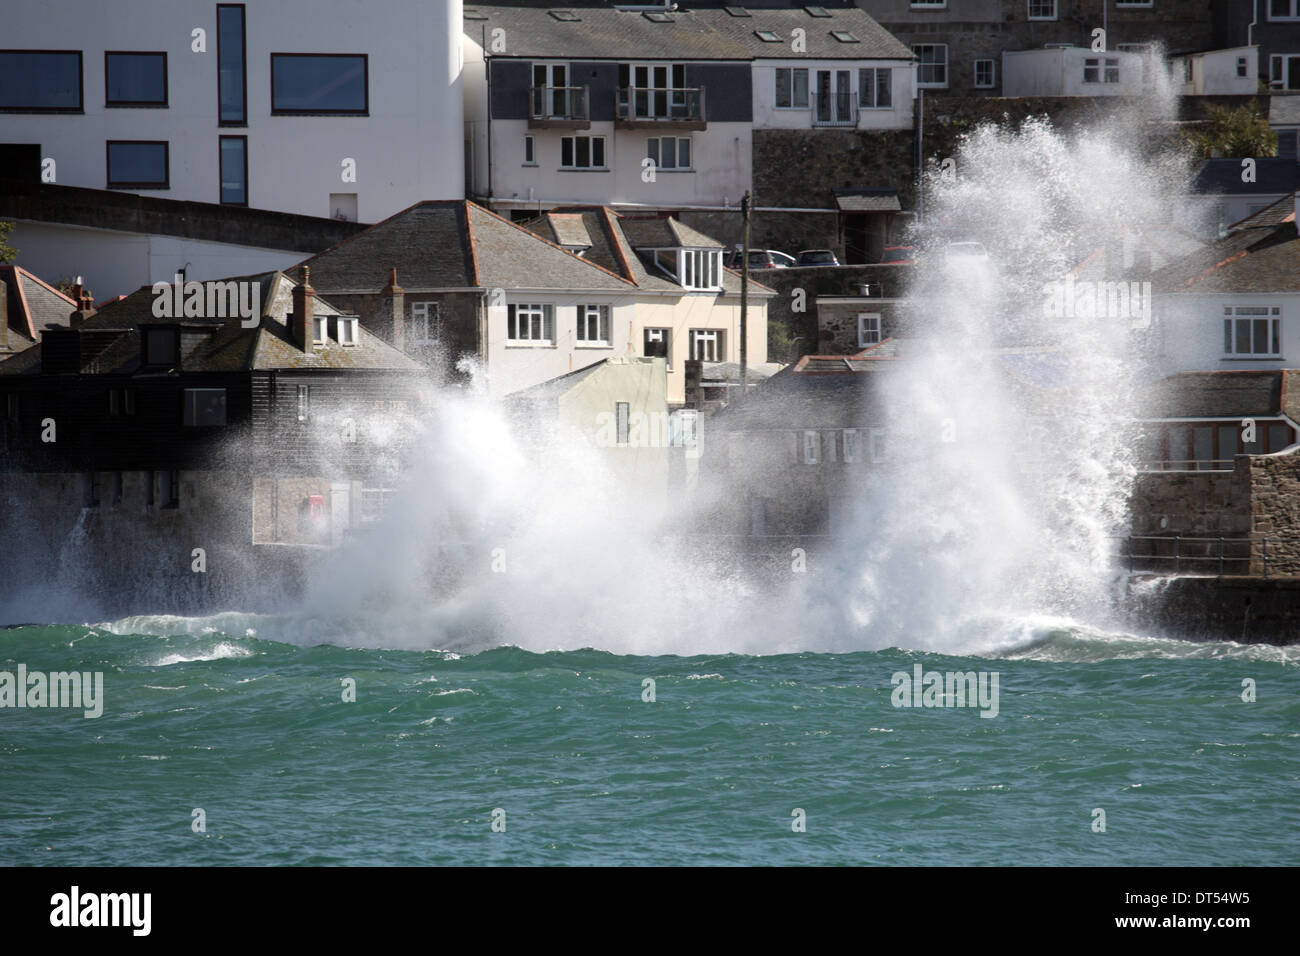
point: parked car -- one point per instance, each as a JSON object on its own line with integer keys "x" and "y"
{"x": 760, "y": 259}
{"x": 818, "y": 257}
{"x": 898, "y": 255}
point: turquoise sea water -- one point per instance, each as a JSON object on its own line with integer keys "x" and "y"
{"x": 255, "y": 733}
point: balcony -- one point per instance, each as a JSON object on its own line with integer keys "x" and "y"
{"x": 835, "y": 108}
{"x": 660, "y": 107}
{"x": 558, "y": 107}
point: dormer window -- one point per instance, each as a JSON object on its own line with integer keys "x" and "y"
{"x": 699, "y": 269}
{"x": 161, "y": 347}
{"x": 320, "y": 329}
{"x": 347, "y": 330}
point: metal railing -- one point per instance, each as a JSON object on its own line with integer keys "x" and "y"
{"x": 1189, "y": 554}
{"x": 661, "y": 104}
{"x": 1200, "y": 464}
{"x": 565, "y": 103}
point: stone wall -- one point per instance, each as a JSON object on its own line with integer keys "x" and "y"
{"x": 1258, "y": 500}
{"x": 823, "y": 281}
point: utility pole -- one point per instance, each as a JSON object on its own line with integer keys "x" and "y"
{"x": 744, "y": 297}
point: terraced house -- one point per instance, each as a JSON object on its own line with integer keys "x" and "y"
{"x": 445, "y": 281}
{"x": 129, "y": 440}
{"x": 657, "y": 110}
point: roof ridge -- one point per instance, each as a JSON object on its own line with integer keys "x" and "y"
{"x": 532, "y": 235}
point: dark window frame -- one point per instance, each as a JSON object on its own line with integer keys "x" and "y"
{"x": 81, "y": 86}
{"x": 221, "y": 178}
{"x": 243, "y": 64}
{"x": 108, "y": 164}
{"x": 365, "y": 79}
{"x": 138, "y": 104}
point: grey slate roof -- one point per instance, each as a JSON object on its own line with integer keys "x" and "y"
{"x": 453, "y": 244}
{"x": 867, "y": 200}
{"x": 1284, "y": 110}
{"x": 32, "y": 303}
{"x": 229, "y": 347}
{"x": 1208, "y": 394}
{"x": 614, "y": 247}
{"x": 695, "y": 34}
{"x": 1260, "y": 254}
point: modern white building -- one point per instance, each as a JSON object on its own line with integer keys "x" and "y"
{"x": 314, "y": 107}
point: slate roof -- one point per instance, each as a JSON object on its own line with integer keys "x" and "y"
{"x": 32, "y": 303}
{"x": 111, "y": 339}
{"x": 870, "y": 199}
{"x": 789, "y": 400}
{"x": 1260, "y": 254}
{"x": 695, "y": 34}
{"x": 1284, "y": 110}
{"x": 568, "y": 229}
{"x": 1222, "y": 177}
{"x": 615, "y": 239}
{"x": 453, "y": 244}
{"x": 1206, "y": 394}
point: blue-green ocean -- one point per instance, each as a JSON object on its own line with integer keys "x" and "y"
{"x": 508, "y": 756}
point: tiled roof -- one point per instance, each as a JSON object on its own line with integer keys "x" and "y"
{"x": 613, "y": 246}
{"x": 695, "y": 34}
{"x": 228, "y": 347}
{"x": 1251, "y": 258}
{"x": 453, "y": 244}
{"x": 1210, "y": 394}
{"x": 1284, "y": 110}
{"x": 568, "y": 229}
{"x": 33, "y": 303}
{"x": 867, "y": 200}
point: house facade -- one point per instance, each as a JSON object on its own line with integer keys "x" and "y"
{"x": 657, "y": 109}
{"x": 314, "y": 108}
{"x": 446, "y": 281}
{"x": 199, "y": 442}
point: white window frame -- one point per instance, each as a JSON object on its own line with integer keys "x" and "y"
{"x": 1041, "y": 15}
{"x": 654, "y": 151}
{"x": 807, "y": 89}
{"x": 426, "y": 323}
{"x": 876, "y": 444}
{"x": 320, "y": 326}
{"x": 591, "y": 151}
{"x": 872, "y": 102}
{"x": 1277, "y": 64}
{"x": 350, "y": 337}
{"x": 812, "y": 447}
{"x": 540, "y": 318}
{"x": 929, "y": 4}
{"x": 1133, "y": 3}
{"x": 942, "y": 64}
{"x": 716, "y": 338}
{"x": 696, "y": 264}
{"x": 865, "y": 319}
{"x": 587, "y": 315}
{"x": 622, "y": 419}
{"x": 1293, "y": 15}
{"x": 530, "y": 150}
{"x": 849, "y": 441}
{"x": 1234, "y": 316}
{"x": 1101, "y": 66}
{"x": 304, "y": 403}
{"x": 659, "y": 334}
{"x": 992, "y": 81}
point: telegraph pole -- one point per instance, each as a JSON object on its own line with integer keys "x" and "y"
{"x": 744, "y": 297}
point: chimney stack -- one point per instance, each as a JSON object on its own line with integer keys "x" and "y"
{"x": 85, "y": 303}
{"x": 300, "y": 319}
{"x": 394, "y": 310}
